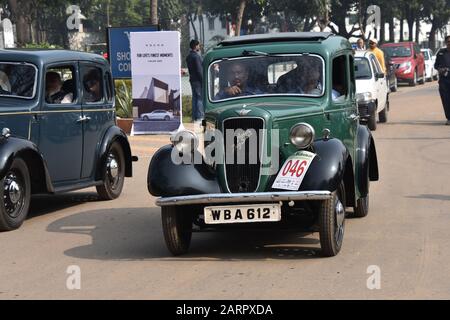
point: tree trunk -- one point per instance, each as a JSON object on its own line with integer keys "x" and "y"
{"x": 392, "y": 30}
{"x": 432, "y": 39}
{"x": 191, "y": 21}
{"x": 401, "y": 30}
{"x": 417, "y": 29}
{"x": 154, "y": 12}
{"x": 382, "y": 29}
{"x": 410, "y": 28}
{"x": 240, "y": 16}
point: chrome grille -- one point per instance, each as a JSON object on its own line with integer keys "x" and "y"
{"x": 243, "y": 177}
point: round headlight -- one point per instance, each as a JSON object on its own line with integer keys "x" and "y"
{"x": 185, "y": 141}
{"x": 302, "y": 135}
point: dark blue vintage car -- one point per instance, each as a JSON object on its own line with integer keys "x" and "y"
{"x": 58, "y": 130}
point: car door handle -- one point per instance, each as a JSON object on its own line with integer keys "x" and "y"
{"x": 353, "y": 117}
{"x": 83, "y": 119}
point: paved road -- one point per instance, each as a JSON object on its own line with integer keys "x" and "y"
{"x": 120, "y": 249}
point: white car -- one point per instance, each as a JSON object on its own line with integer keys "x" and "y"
{"x": 430, "y": 72}
{"x": 157, "y": 115}
{"x": 372, "y": 93}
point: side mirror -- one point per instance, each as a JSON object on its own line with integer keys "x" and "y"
{"x": 379, "y": 75}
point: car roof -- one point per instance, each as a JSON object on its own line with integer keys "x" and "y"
{"x": 273, "y": 37}
{"x": 398, "y": 44}
{"x": 40, "y": 56}
{"x": 362, "y": 54}
{"x": 323, "y": 44}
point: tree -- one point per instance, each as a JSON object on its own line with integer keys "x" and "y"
{"x": 436, "y": 12}
{"x": 154, "y": 12}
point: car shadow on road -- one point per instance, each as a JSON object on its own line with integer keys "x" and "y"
{"x": 44, "y": 204}
{"x": 440, "y": 197}
{"x": 136, "y": 234}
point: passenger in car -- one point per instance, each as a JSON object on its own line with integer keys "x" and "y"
{"x": 53, "y": 89}
{"x": 93, "y": 86}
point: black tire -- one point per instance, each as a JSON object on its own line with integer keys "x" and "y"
{"x": 332, "y": 222}
{"x": 145, "y": 118}
{"x": 14, "y": 206}
{"x": 372, "y": 121}
{"x": 413, "y": 82}
{"x": 436, "y": 77}
{"x": 113, "y": 173}
{"x": 383, "y": 114}
{"x": 362, "y": 208}
{"x": 422, "y": 79}
{"x": 177, "y": 229}
{"x": 166, "y": 118}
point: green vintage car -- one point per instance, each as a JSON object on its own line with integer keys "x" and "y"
{"x": 282, "y": 147}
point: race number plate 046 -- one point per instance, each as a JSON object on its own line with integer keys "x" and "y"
{"x": 243, "y": 214}
{"x": 293, "y": 171}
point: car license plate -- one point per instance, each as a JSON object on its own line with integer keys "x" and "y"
{"x": 243, "y": 214}
{"x": 293, "y": 171}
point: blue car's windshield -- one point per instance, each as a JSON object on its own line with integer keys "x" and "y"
{"x": 17, "y": 80}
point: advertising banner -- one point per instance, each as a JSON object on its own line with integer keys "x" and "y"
{"x": 156, "y": 81}
{"x": 119, "y": 49}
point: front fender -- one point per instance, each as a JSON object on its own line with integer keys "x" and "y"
{"x": 366, "y": 162}
{"x": 13, "y": 147}
{"x": 328, "y": 167}
{"x": 112, "y": 134}
{"x": 167, "y": 179}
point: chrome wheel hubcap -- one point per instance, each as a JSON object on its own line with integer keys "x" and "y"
{"x": 340, "y": 221}
{"x": 13, "y": 195}
{"x": 112, "y": 167}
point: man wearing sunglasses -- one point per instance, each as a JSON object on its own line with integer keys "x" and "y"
{"x": 373, "y": 44}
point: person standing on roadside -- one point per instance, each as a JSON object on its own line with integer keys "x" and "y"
{"x": 373, "y": 44}
{"x": 194, "y": 63}
{"x": 360, "y": 46}
{"x": 442, "y": 65}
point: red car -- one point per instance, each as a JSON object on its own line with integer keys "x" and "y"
{"x": 408, "y": 61}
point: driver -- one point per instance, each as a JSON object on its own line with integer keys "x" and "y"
{"x": 237, "y": 77}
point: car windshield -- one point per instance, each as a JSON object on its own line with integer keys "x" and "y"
{"x": 398, "y": 51}
{"x": 17, "y": 80}
{"x": 426, "y": 54}
{"x": 266, "y": 75}
{"x": 362, "y": 69}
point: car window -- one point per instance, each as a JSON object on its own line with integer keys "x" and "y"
{"x": 60, "y": 85}
{"x": 92, "y": 84}
{"x": 18, "y": 80}
{"x": 362, "y": 69}
{"x": 426, "y": 55}
{"x": 266, "y": 75}
{"x": 375, "y": 65}
{"x": 398, "y": 51}
{"x": 340, "y": 77}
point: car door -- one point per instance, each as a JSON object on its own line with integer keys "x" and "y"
{"x": 380, "y": 88}
{"x": 342, "y": 111}
{"x": 61, "y": 132}
{"x": 97, "y": 111}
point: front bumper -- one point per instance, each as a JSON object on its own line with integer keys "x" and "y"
{"x": 366, "y": 109}
{"x": 254, "y": 197}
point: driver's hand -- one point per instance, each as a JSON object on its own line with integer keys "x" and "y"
{"x": 233, "y": 91}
